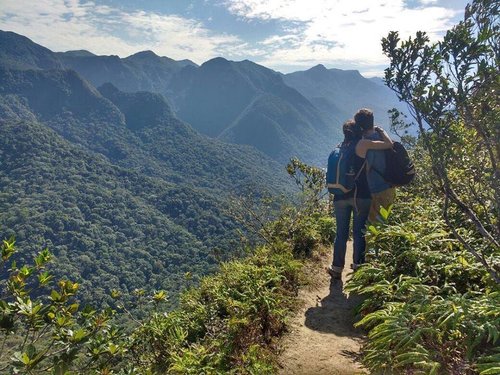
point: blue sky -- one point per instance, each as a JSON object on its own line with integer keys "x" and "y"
{"x": 285, "y": 35}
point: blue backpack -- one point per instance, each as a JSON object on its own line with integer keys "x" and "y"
{"x": 341, "y": 174}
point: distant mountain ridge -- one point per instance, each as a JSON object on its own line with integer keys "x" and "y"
{"x": 19, "y": 52}
{"x": 214, "y": 97}
{"x": 232, "y": 101}
{"x": 143, "y": 71}
{"x": 283, "y": 115}
{"x": 342, "y": 92}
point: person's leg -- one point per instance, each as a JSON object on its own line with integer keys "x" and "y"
{"x": 343, "y": 211}
{"x": 361, "y": 211}
{"x": 383, "y": 199}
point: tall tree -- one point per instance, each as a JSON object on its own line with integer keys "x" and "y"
{"x": 452, "y": 90}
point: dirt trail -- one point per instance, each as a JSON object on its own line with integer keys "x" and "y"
{"x": 322, "y": 340}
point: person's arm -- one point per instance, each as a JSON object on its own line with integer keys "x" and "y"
{"x": 368, "y": 144}
{"x": 384, "y": 135}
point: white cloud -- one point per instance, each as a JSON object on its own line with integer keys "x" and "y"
{"x": 339, "y": 32}
{"x": 75, "y": 24}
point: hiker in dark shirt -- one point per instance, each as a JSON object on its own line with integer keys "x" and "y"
{"x": 382, "y": 193}
{"x": 356, "y": 202}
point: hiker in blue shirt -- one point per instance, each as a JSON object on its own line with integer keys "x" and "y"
{"x": 382, "y": 192}
{"x": 356, "y": 202}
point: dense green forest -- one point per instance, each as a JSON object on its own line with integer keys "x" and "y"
{"x": 109, "y": 228}
{"x": 121, "y": 199}
{"x": 228, "y": 323}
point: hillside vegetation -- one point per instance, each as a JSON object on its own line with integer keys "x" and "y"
{"x": 229, "y": 323}
{"x": 432, "y": 283}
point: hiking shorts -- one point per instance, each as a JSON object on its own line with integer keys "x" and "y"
{"x": 383, "y": 199}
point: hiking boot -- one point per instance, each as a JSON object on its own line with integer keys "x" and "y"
{"x": 334, "y": 274}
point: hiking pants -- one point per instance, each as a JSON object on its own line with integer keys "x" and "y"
{"x": 343, "y": 209}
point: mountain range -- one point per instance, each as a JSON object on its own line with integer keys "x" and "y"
{"x": 283, "y": 115}
{"x": 125, "y": 167}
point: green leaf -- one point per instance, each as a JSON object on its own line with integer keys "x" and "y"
{"x": 25, "y": 359}
{"x": 384, "y": 213}
{"x": 44, "y": 278}
{"x": 160, "y": 296}
{"x": 78, "y": 335}
{"x": 7, "y": 249}
{"x": 55, "y": 296}
{"x": 463, "y": 261}
{"x": 491, "y": 371}
{"x": 31, "y": 351}
{"x": 112, "y": 348}
{"x": 115, "y": 293}
{"x": 22, "y": 357}
{"x": 61, "y": 320}
{"x": 73, "y": 308}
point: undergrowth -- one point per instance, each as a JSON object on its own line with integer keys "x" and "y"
{"x": 231, "y": 322}
{"x": 228, "y": 324}
{"x": 429, "y": 306}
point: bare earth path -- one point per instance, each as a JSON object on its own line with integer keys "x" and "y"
{"x": 322, "y": 339}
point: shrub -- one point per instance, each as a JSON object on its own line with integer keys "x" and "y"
{"x": 42, "y": 327}
{"x": 430, "y": 307}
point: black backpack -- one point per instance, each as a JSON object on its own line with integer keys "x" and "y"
{"x": 399, "y": 169}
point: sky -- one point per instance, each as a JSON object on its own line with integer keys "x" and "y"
{"x": 284, "y": 35}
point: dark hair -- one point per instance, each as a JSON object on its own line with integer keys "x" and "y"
{"x": 364, "y": 119}
{"x": 351, "y": 131}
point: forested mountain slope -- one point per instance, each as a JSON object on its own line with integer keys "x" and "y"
{"x": 146, "y": 136}
{"x": 124, "y": 193}
{"x": 107, "y": 226}
{"x": 247, "y": 103}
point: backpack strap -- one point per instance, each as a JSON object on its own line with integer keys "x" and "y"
{"x": 376, "y": 170}
{"x": 356, "y": 185}
{"x": 360, "y": 170}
